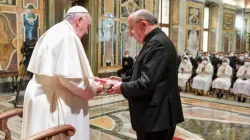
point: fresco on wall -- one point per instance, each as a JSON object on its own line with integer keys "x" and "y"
{"x": 7, "y": 38}
{"x": 8, "y": 2}
{"x": 127, "y": 43}
{"x": 128, "y": 7}
{"x": 31, "y": 4}
{"x": 228, "y": 20}
{"x": 31, "y": 26}
{"x": 113, "y": 32}
{"x": 108, "y": 41}
{"x": 193, "y": 41}
{"x": 193, "y": 16}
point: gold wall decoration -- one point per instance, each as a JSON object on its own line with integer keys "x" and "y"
{"x": 214, "y": 17}
{"x": 193, "y": 16}
{"x": 175, "y": 12}
{"x": 8, "y": 2}
{"x": 194, "y": 27}
{"x": 7, "y": 36}
{"x": 228, "y": 20}
{"x": 16, "y": 16}
{"x": 31, "y": 4}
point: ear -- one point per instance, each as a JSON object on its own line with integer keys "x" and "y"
{"x": 144, "y": 23}
{"x": 78, "y": 21}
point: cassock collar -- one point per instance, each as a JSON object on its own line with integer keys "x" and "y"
{"x": 150, "y": 35}
{"x": 70, "y": 26}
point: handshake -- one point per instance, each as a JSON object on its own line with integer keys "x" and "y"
{"x": 112, "y": 83}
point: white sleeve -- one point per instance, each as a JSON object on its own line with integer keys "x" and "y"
{"x": 228, "y": 72}
{"x": 209, "y": 69}
{"x": 240, "y": 72}
{"x": 199, "y": 69}
{"x": 219, "y": 73}
{"x": 188, "y": 68}
{"x": 83, "y": 89}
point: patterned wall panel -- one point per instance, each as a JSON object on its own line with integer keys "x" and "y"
{"x": 213, "y": 41}
{"x": 7, "y": 39}
{"x": 8, "y": 2}
{"x": 226, "y": 44}
{"x": 30, "y": 26}
{"x": 194, "y": 27}
{"x": 228, "y": 20}
{"x": 18, "y": 23}
{"x": 114, "y": 38}
{"x": 31, "y": 4}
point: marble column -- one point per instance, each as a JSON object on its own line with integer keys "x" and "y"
{"x": 219, "y": 38}
{"x": 182, "y": 22}
{"x": 93, "y": 37}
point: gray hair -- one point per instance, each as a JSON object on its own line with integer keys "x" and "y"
{"x": 145, "y": 15}
{"x": 74, "y": 16}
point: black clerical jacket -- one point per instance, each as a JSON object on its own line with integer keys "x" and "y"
{"x": 152, "y": 88}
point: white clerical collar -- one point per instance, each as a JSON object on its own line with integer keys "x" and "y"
{"x": 70, "y": 26}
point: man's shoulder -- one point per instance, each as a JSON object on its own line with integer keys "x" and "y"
{"x": 60, "y": 30}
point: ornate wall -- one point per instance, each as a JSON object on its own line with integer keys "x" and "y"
{"x": 20, "y": 20}
{"x": 228, "y": 30}
{"x": 194, "y": 27}
{"x": 113, "y": 38}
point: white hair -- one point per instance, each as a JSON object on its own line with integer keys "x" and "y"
{"x": 74, "y": 16}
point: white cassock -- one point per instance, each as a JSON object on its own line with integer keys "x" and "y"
{"x": 203, "y": 80}
{"x": 242, "y": 86}
{"x": 186, "y": 74}
{"x": 62, "y": 83}
{"x": 224, "y": 79}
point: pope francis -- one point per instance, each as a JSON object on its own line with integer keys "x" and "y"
{"x": 63, "y": 81}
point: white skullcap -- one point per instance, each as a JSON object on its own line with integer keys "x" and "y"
{"x": 77, "y": 9}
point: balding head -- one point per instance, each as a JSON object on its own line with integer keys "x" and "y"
{"x": 144, "y": 15}
{"x": 141, "y": 23}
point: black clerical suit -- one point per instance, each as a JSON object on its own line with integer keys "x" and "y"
{"x": 152, "y": 89}
{"x": 126, "y": 69}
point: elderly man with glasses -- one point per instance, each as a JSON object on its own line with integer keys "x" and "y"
{"x": 152, "y": 88}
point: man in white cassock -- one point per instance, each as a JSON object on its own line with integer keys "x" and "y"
{"x": 241, "y": 86}
{"x": 202, "y": 82}
{"x": 223, "y": 80}
{"x": 63, "y": 81}
{"x": 185, "y": 71}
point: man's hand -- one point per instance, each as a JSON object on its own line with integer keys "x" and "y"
{"x": 182, "y": 69}
{"x": 100, "y": 81}
{"x": 245, "y": 72}
{"x": 99, "y": 89}
{"x": 116, "y": 89}
{"x": 115, "y": 78}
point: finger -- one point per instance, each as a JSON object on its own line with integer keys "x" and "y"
{"x": 109, "y": 91}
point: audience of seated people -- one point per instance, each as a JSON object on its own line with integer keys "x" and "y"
{"x": 127, "y": 64}
{"x": 221, "y": 73}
